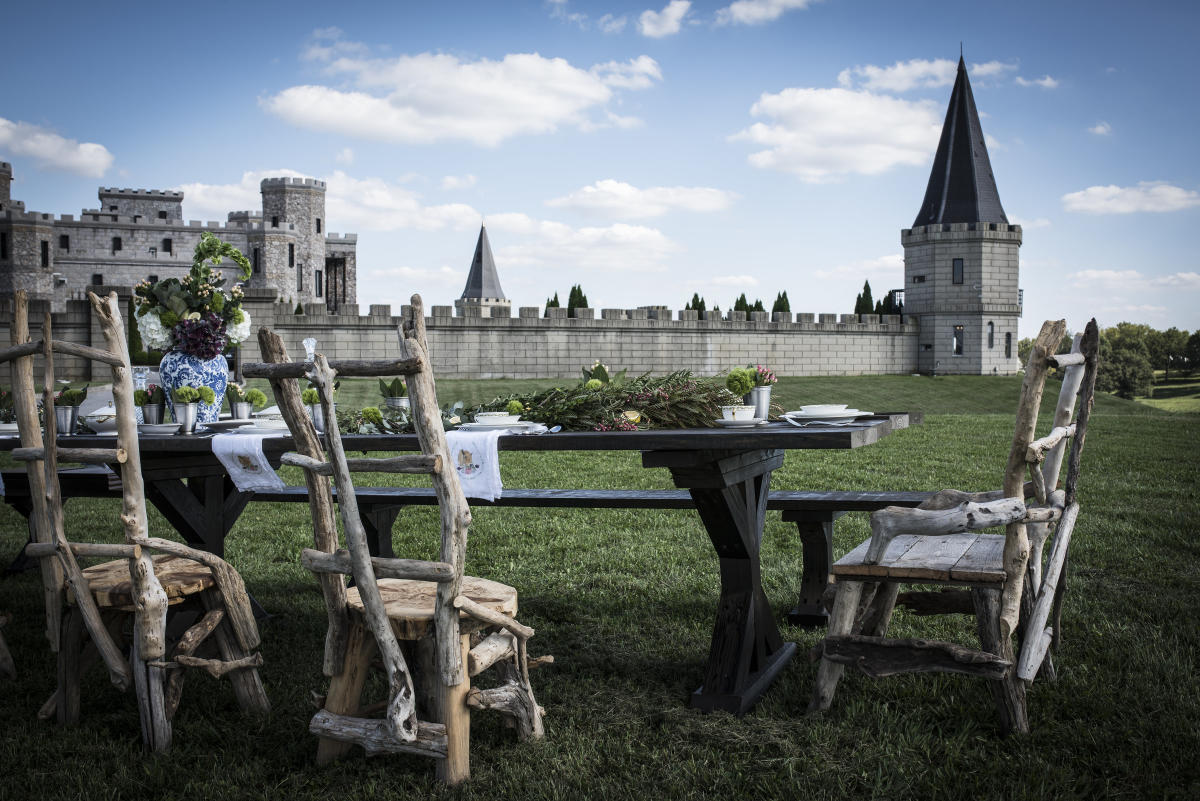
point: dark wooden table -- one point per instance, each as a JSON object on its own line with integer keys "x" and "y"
{"x": 726, "y": 471}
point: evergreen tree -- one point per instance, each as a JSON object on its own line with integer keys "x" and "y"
{"x": 781, "y": 303}
{"x": 741, "y": 304}
{"x": 552, "y": 303}
{"x": 864, "y": 303}
{"x": 758, "y": 305}
{"x": 576, "y": 300}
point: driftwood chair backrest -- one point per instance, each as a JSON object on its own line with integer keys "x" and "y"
{"x": 325, "y": 559}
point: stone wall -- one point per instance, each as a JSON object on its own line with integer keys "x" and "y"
{"x": 533, "y": 346}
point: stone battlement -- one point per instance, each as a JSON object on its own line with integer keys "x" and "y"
{"x": 157, "y": 194}
{"x": 336, "y": 237}
{"x": 6, "y": 167}
{"x": 961, "y": 231}
{"x": 307, "y": 183}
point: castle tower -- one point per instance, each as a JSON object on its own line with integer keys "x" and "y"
{"x": 295, "y": 206}
{"x": 5, "y": 184}
{"x": 961, "y": 260}
{"x": 483, "y": 290}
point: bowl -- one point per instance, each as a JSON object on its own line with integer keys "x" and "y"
{"x": 823, "y": 408}
{"x": 737, "y": 412}
{"x": 497, "y": 418}
{"x": 102, "y": 421}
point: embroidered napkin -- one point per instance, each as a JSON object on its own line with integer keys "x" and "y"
{"x": 242, "y": 455}
{"x": 476, "y": 457}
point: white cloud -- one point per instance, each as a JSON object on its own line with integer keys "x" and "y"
{"x": 618, "y": 199}
{"x": 344, "y": 156}
{"x": 559, "y": 11}
{"x": 1178, "y": 281}
{"x": 554, "y": 245}
{"x": 351, "y": 204}
{"x": 54, "y": 152}
{"x": 1101, "y": 128}
{"x": 442, "y": 276}
{"x": 430, "y": 97}
{"x": 917, "y": 73}
{"x": 1046, "y": 82}
{"x": 1147, "y": 196}
{"x": 610, "y": 24}
{"x": 458, "y": 181}
{"x": 757, "y": 12}
{"x": 891, "y": 265}
{"x": 657, "y": 24}
{"x": 326, "y": 44}
{"x": 1106, "y": 278}
{"x": 822, "y": 134}
{"x": 993, "y": 143}
{"x": 748, "y": 281}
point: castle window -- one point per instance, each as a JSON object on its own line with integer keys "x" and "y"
{"x": 257, "y": 266}
{"x": 957, "y": 277}
{"x": 1008, "y": 345}
{"x": 918, "y": 279}
{"x": 116, "y": 244}
{"x": 291, "y": 255}
{"x": 318, "y": 225}
{"x": 300, "y": 279}
{"x": 64, "y": 242}
{"x": 274, "y": 222}
{"x": 162, "y": 215}
{"x": 317, "y": 283}
{"x": 926, "y": 346}
{"x": 153, "y": 279}
{"x": 45, "y": 253}
{"x": 991, "y": 335}
{"x": 3, "y": 246}
{"x": 112, "y": 208}
{"x": 168, "y": 246}
{"x": 97, "y": 279}
{"x": 957, "y": 341}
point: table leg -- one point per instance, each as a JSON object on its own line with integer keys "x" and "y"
{"x": 203, "y": 510}
{"x": 816, "y": 538}
{"x": 747, "y": 652}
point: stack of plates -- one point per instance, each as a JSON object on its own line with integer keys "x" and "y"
{"x": 158, "y": 428}
{"x": 753, "y": 421}
{"x": 824, "y": 412}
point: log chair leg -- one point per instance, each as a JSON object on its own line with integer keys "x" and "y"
{"x": 1008, "y": 692}
{"x": 841, "y": 620}
{"x": 149, "y": 685}
{"x": 70, "y": 660}
{"x": 456, "y": 715}
{"x": 879, "y": 614}
{"x": 247, "y": 682}
{"x": 345, "y": 689}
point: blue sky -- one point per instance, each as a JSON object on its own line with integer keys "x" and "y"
{"x": 646, "y": 151}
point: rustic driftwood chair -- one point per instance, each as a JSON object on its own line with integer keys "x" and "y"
{"x": 87, "y": 609}
{"x": 431, "y": 607}
{"x": 939, "y": 543}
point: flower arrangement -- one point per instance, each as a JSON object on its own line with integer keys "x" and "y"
{"x": 310, "y": 397}
{"x": 150, "y": 396}
{"x": 515, "y": 407}
{"x": 740, "y": 380}
{"x": 70, "y": 397}
{"x": 763, "y": 376}
{"x": 195, "y": 314}
{"x": 7, "y": 413}
{"x": 186, "y": 394}
{"x": 677, "y": 400}
{"x": 236, "y": 393}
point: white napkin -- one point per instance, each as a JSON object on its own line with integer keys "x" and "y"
{"x": 242, "y": 455}
{"x": 476, "y": 457}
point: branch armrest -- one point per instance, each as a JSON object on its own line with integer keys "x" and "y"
{"x": 893, "y": 521}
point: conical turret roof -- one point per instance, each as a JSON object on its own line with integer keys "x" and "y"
{"x": 483, "y": 282}
{"x": 961, "y": 185}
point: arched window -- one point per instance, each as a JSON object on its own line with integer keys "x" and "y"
{"x": 991, "y": 335}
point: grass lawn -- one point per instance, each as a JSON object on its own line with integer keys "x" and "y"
{"x": 624, "y": 600}
{"x": 1179, "y": 394}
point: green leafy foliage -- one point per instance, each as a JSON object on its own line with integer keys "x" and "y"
{"x": 781, "y": 304}
{"x": 696, "y": 303}
{"x": 395, "y": 388}
{"x": 310, "y": 396}
{"x": 864, "y": 303}
{"x": 740, "y": 380}
{"x": 515, "y": 407}
{"x": 185, "y": 394}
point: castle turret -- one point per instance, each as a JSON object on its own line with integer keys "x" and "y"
{"x": 300, "y": 204}
{"x": 5, "y": 184}
{"x": 483, "y": 290}
{"x": 145, "y": 204}
{"x": 961, "y": 259}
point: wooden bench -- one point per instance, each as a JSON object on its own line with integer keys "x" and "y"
{"x": 813, "y": 512}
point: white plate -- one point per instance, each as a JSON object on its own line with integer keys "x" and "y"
{"x": 497, "y": 420}
{"x": 158, "y": 428}
{"x": 842, "y": 415}
{"x": 261, "y": 430}
{"x": 491, "y": 427}
{"x": 754, "y": 421}
{"x": 823, "y": 408}
{"x": 226, "y": 425}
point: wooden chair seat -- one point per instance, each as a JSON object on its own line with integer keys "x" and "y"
{"x": 112, "y": 587}
{"x": 410, "y": 604}
{"x": 959, "y": 558}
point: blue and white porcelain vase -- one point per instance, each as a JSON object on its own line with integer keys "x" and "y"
{"x": 178, "y": 369}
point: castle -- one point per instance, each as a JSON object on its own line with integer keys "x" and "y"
{"x": 961, "y": 270}
{"x": 137, "y": 234}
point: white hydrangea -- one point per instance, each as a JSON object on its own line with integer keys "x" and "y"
{"x": 236, "y": 332}
{"x": 155, "y": 336}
